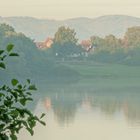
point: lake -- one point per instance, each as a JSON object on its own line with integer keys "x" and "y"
{"x": 91, "y": 109}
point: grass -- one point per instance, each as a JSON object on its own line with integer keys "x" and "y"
{"x": 106, "y": 70}
{"x": 107, "y": 77}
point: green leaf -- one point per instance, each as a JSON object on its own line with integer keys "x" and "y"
{"x": 4, "y": 137}
{"x": 1, "y": 52}
{"x": 13, "y": 137}
{"x": 32, "y": 123}
{"x": 15, "y": 94}
{"x": 10, "y": 47}
{"x": 42, "y": 115}
{"x": 3, "y": 57}
{"x": 14, "y": 113}
{"x": 30, "y": 130}
{"x": 29, "y": 93}
{"x": 2, "y": 65}
{"x": 1, "y": 94}
{"x": 14, "y": 82}
{"x": 43, "y": 123}
{"x": 29, "y": 99}
{"x": 13, "y": 54}
{"x": 19, "y": 86}
{"x": 28, "y": 80}
{"x": 32, "y": 87}
{"x": 2, "y": 126}
{"x": 23, "y": 101}
{"x": 25, "y": 124}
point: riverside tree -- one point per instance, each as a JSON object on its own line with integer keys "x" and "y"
{"x": 65, "y": 43}
{"x": 14, "y": 114}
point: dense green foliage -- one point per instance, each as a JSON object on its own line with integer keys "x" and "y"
{"x": 14, "y": 114}
{"x": 132, "y": 37}
{"x": 65, "y": 35}
{"x": 106, "y": 50}
{"x": 67, "y": 50}
{"x": 32, "y": 63}
{"x": 113, "y": 50}
{"x": 65, "y": 44}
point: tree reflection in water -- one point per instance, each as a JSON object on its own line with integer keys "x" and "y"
{"x": 66, "y": 104}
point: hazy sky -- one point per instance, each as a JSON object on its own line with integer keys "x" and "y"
{"x": 61, "y": 9}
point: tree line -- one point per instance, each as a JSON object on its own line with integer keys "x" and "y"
{"x": 109, "y": 49}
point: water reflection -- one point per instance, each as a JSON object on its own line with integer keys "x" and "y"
{"x": 82, "y": 112}
{"x": 64, "y": 107}
{"x": 66, "y": 104}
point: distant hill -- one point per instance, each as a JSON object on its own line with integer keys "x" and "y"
{"x": 39, "y": 29}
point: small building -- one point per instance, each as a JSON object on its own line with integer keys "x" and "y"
{"x": 46, "y": 44}
{"x": 49, "y": 42}
{"x": 86, "y": 44}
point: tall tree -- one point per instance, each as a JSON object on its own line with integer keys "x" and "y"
{"x": 111, "y": 41}
{"x": 97, "y": 41}
{"x": 132, "y": 37}
{"x": 65, "y": 35}
{"x": 65, "y": 43}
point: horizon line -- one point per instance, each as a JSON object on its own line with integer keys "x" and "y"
{"x": 70, "y": 18}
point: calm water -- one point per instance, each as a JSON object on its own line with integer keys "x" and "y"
{"x": 88, "y": 112}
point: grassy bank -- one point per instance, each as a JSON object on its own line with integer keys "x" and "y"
{"x": 107, "y": 76}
